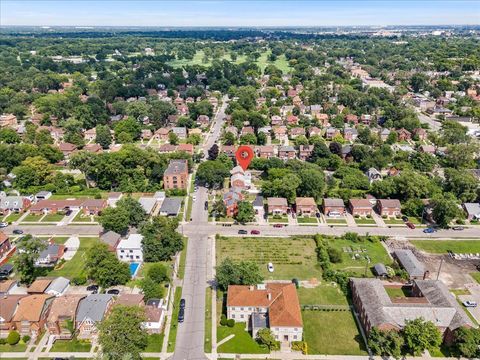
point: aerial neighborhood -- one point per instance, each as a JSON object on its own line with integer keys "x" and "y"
{"x": 240, "y": 193}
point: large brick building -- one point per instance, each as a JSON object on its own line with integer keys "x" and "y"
{"x": 176, "y": 175}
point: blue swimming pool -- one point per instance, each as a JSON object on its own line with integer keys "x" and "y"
{"x": 134, "y": 268}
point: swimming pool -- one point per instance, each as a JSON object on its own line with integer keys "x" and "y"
{"x": 134, "y": 268}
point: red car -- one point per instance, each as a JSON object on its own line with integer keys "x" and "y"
{"x": 410, "y": 225}
{"x": 277, "y": 225}
{"x": 255, "y": 232}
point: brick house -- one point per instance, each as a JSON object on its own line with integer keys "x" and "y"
{"x": 366, "y": 119}
{"x": 389, "y": 207}
{"x": 420, "y": 133}
{"x": 265, "y": 151}
{"x": 203, "y": 121}
{"x": 67, "y": 149}
{"x": 360, "y": 207}
{"x": 229, "y": 150}
{"x": 62, "y": 313}
{"x": 404, "y": 134}
{"x": 276, "y": 120}
{"x": 176, "y": 175}
{"x": 31, "y": 314}
{"x": 188, "y": 148}
{"x": 280, "y": 133}
{"x": 287, "y": 152}
{"x": 331, "y": 133}
{"x": 292, "y": 120}
{"x": 333, "y": 207}
{"x": 167, "y": 148}
{"x": 296, "y": 132}
{"x": 161, "y": 134}
{"x": 305, "y": 151}
{"x": 8, "y": 120}
{"x": 90, "y": 312}
{"x": 277, "y": 206}
{"x": 54, "y": 206}
{"x": 246, "y": 130}
{"x": 94, "y": 206}
{"x": 305, "y": 206}
{"x": 7, "y": 312}
{"x": 5, "y": 245}
{"x": 351, "y": 119}
{"x": 90, "y": 135}
{"x": 314, "y": 131}
{"x": 231, "y": 199}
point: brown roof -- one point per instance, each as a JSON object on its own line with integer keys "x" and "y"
{"x": 92, "y": 203}
{"x": 283, "y": 304}
{"x": 305, "y": 201}
{"x": 64, "y": 306}
{"x": 360, "y": 203}
{"x": 3, "y": 237}
{"x": 153, "y": 314}
{"x": 276, "y": 201}
{"x": 39, "y": 286}
{"x": 30, "y": 307}
{"x": 130, "y": 300}
{"x": 185, "y": 147}
{"x": 93, "y": 148}
{"x": 9, "y": 305}
{"x": 390, "y": 203}
{"x": 6, "y": 285}
{"x": 57, "y": 204}
{"x": 67, "y": 147}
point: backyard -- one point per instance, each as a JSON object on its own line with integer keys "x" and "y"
{"x": 441, "y": 247}
{"x": 292, "y": 257}
{"x": 324, "y": 294}
{"x": 241, "y": 343}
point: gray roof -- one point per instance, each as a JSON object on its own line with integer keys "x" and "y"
{"x": 176, "y": 167}
{"x": 410, "y": 263}
{"x": 171, "y": 206}
{"x": 52, "y": 249}
{"x": 110, "y": 238}
{"x": 380, "y": 269}
{"x": 258, "y": 202}
{"x": 58, "y": 285}
{"x": 259, "y": 320}
{"x": 11, "y": 202}
{"x": 148, "y": 203}
{"x": 472, "y": 208}
{"x": 93, "y": 307}
{"x": 286, "y": 148}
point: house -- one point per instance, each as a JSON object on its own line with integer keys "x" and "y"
{"x": 404, "y": 135}
{"x": 43, "y": 195}
{"x": 130, "y": 300}
{"x": 277, "y": 206}
{"x": 50, "y": 255}
{"x": 62, "y": 314}
{"x": 148, "y": 204}
{"x": 389, "y": 207}
{"x": 231, "y": 129}
{"x": 276, "y": 120}
{"x": 429, "y": 149}
{"x": 296, "y": 132}
{"x": 113, "y": 197}
{"x": 94, "y": 206}
{"x": 31, "y": 314}
{"x": 39, "y": 286}
{"x": 111, "y": 238}
{"x": 247, "y": 130}
{"x": 472, "y": 210}
{"x": 181, "y": 132}
{"x": 90, "y": 135}
{"x": 420, "y": 133}
{"x": 58, "y": 286}
{"x": 409, "y": 262}
{"x": 287, "y": 152}
{"x": 323, "y": 119}
{"x": 265, "y": 151}
{"x": 360, "y": 207}
{"x": 93, "y": 148}
{"x": 351, "y": 119}
{"x": 292, "y": 120}
{"x": 176, "y": 175}
{"x": 161, "y": 134}
{"x": 91, "y": 311}
{"x": 203, "y": 121}
{"x": 429, "y": 299}
{"x": 280, "y": 133}
{"x": 194, "y": 131}
{"x": 373, "y": 175}
{"x": 315, "y": 109}
{"x": 9, "y": 204}
{"x": 272, "y": 305}
{"x": 350, "y": 134}
{"x": 258, "y": 205}
{"x": 7, "y": 312}
{"x": 167, "y": 148}
{"x": 154, "y": 317}
{"x": 146, "y": 134}
{"x": 331, "y": 133}
{"x": 55, "y": 206}
{"x": 305, "y": 151}
{"x": 366, "y": 119}
{"x": 231, "y": 199}
{"x": 306, "y": 206}
{"x": 240, "y": 178}
{"x": 188, "y": 148}
{"x": 5, "y": 245}
{"x": 67, "y": 149}
{"x": 313, "y": 131}
{"x": 333, "y": 207}
{"x": 171, "y": 206}
{"x": 130, "y": 249}
{"x": 8, "y": 286}
{"x": 229, "y": 150}
{"x": 384, "y": 133}
{"x": 8, "y": 120}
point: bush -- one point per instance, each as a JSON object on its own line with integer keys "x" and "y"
{"x": 223, "y": 320}
{"x": 26, "y": 339}
{"x": 369, "y": 216}
{"x": 230, "y": 323}
{"x": 3, "y": 341}
{"x": 300, "y": 346}
{"x": 79, "y": 280}
{"x": 13, "y": 338}
{"x": 296, "y": 282}
{"x": 335, "y": 255}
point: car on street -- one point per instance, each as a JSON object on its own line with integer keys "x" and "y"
{"x": 270, "y": 267}
{"x": 429, "y": 230}
{"x": 255, "y": 232}
{"x": 181, "y": 315}
{"x": 243, "y": 232}
{"x": 182, "y": 303}
{"x": 458, "y": 228}
{"x": 3, "y": 224}
{"x": 18, "y": 232}
{"x": 410, "y": 225}
{"x": 469, "y": 303}
{"x": 277, "y": 225}
{"x": 113, "y": 292}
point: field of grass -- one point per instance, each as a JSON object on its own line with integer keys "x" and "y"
{"x": 208, "y": 321}
{"x": 183, "y": 259}
{"x": 174, "y": 324}
{"x": 397, "y": 292}
{"x": 307, "y": 220}
{"x": 53, "y": 217}
{"x": 32, "y": 218}
{"x": 441, "y": 247}
{"x": 273, "y": 220}
{"x": 242, "y": 343}
{"x": 74, "y": 267}
{"x": 476, "y": 276}
{"x": 365, "y": 221}
{"x": 20, "y": 347}
{"x": 322, "y": 328}
{"x": 324, "y": 294}
{"x": 73, "y": 345}
{"x": 80, "y": 217}
{"x": 155, "y": 342}
{"x": 336, "y": 220}
{"x": 291, "y": 257}
{"x": 13, "y": 217}
{"x": 394, "y": 221}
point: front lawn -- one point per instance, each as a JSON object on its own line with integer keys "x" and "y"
{"x": 476, "y": 276}
{"x": 307, "y": 220}
{"x": 336, "y": 220}
{"x": 53, "y": 217}
{"x": 441, "y": 246}
{"x": 241, "y": 343}
{"x": 365, "y": 221}
{"x": 20, "y": 347}
{"x": 32, "y": 218}
{"x": 208, "y": 321}
{"x": 324, "y": 294}
{"x": 13, "y": 217}
{"x": 155, "y": 342}
{"x": 80, "y": 217}
{"x": 174, "y": 323}
{"x": 394, "y": 221}
{"x": 278, "y": 219}
{"x": 332, "y": 333}
{"x": 291, "y": 257}
{"x": 73, "y": 345}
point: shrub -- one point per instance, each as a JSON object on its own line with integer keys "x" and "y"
{"x": 26, "y": 339}
{"x": 223, "y": 320}
{"x": 13, "y": 338}
{"x": 3, "y": 341}
{"x": 230, "y": 323}
{"x": 296, "y": 282}
{"x": 369, "y": 216}
{"x": 79, "y": 280}
{"x": 300, "y": 346}
{"x": 335, "y": 255}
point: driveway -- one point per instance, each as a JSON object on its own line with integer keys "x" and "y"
{"x": 72, "y": 245}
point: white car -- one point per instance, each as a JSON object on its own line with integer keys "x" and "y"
{"x": 469, "y": 303}
{"x": 270, "y": 267}
{"x": 3, "y": 225}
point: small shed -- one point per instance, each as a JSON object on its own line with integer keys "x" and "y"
{"x": 380, "y": 270}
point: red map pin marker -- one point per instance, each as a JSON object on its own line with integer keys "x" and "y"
{"x": 244, "y": 155}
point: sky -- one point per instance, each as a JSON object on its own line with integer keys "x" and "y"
{"x": 238, "y": 12}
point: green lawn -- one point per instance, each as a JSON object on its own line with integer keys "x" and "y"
{"x": 174, "y": 324}
{"x": 53, "y": 217}
{"x": 208, "y": 321}
{"x": 336, "y": 220}
{"x": 324, "y": 294}
{"x": 291, "y": 257}
{"x": 365, "y": 221}
{"x": 441, "y": 246}
{"x": 397, "y": 292}
{"x": 332, "y": 333}
{"x": 188, "y": 215}
{"x": 13, "y": 217}
{"x": 74, "y": 267}
{"x": 476, "y": 276}
{"x": 394, "y": 221}
{"x": 307, "y": 220}
{"x": 20, "y": 347}
{"x": 155, "y": 342}
{"x": 183, "y": 259}
{"x": 32, "y": 218}
{"x": 80, "y": 217}
{"x": 73, "y": 345}
{"x": 273, "y": 220}
{"x": 241, "y": 343}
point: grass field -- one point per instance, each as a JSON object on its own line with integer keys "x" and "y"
{"x": 476, "y": 276}
{"x": 155, "y": 342}
{"x": 80, "y": 217}
{"x": 208, "y": 321}
{"x": 332, "y": 333}
{"x": 174, "y": 324}
{"x": 441, "y": 247}
{"x": 365, "y": 221}
{"x": 242, "y": 343}
{"x": 307, "y": 220}
{"x": 291, "y": 257}
{"x": 53, "y": 217}
{"x": 273, "y": 220}
{"x": 322, "y": 295}
{"x": 13, "y": 217}
{"x": 394, "y": 221}
{"x": 32, "y": 218}
{"x": 73, "y": 345}
{"x": 183, "y": 259}
{"x": 336, "y": 220}
{"x": 20, "y": 347}
{"x": 74, "y": 267}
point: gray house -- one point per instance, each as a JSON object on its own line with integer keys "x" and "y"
{"x": 90, "y": 312}
{"x": 171, "y": 206}
{"x": 111, "y": 238}
{"x": 58, "y": 286}
{"x": 408, "y": 261}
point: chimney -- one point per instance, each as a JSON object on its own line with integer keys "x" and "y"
{"x": 251, "y": 287}
{"x": 269, "y": 296}
{"x": 426, "y": 275}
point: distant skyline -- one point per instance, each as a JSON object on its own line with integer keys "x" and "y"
{"x": 238, "y": 13}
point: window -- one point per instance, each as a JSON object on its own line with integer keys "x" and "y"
{"x": 241, "y": 309}
{"x": 122, "y": 251}
{"x": 295, "y": 329}
{"x": 121, "y": 257}
{"x": 131, "y": 251}
{"x": 137, "y": 257}
{"x": 295, "y": 337}
{"x": 233, "y": 316}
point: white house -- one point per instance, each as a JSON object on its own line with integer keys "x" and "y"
{"x": 130, "y": 249}
{"x": 154, "y": 316}
{"x": 58, "y": 286}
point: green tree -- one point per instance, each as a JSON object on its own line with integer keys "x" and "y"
{"x": 136, "y": 213}
{"x": 386, "y": 343}
{"x": 173, "y": 138}
{"x": 212, "y": 172}
{"x": 28, "y": 252}
{"x": 158, "y": 272}
{"x": 421, "y": 335}
{"x": 219, "y": 209}
{"x": 103, "y": 136}
{"x": 312, "y": 183}
{"x": 424, "y": 162}
{"x": 151, "y": 289}
{"x": 129, "y": 126}
{"x": 462, "y": 184}
{"x": 103, "y": 267}
{"x": 445, "y": 210}
{"x": 13, "y": 337}
{"x": 160, "y": 241}
{"x": 115, "y": 219}
{"x": 248, "y": 139}
{"x": 453, "y": 132}
{"x": 9, "y": 136}
{"x": 122, "y": 335}
{"x": 33, "y": 171}
{"x": 266, "y": 338}
{"x": 229, "y": 138}
{"x": 245, "y": 213}
{"x": 242, "y": 273}
{"x": 467, "y": 342}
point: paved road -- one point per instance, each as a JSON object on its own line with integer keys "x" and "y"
{"x": 435, "y": 125}
{"x": 216, "y": 127}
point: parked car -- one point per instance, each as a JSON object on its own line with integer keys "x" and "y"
{"x": 317, "y": 215}
{"x": 405, "y": 218}
{"x": 458, "y": 228}
{"x": 410, "y": 225}
{"x": 68, "y": 212}
{"x": 113, "y": 292}
{"x": 182, "y": 303}
{"x": 277, "y": 225}
{"x": 93, "y": 288}
{"x": 181, "y": 315}
{"x": 3, "y": 224}
{"x": 429, "y": 230}
{"x": 255, "y": 232}
{"x": 18, "y": 232}
{"x": 469, "y": 303}
{"x": 243, "y": 232}
{"x": 206, "y": 205}
{"x": 270, "y": 267}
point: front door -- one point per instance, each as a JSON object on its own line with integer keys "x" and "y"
{"x": 285, "y": 337}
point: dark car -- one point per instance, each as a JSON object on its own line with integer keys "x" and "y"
{"x": 277, "y": 225}
{"x": 93, "y": 288}
{"x": 410, "y": 225}
{"x": 458, "y": 228}
{"x": 18, "y": 232}
{"x": 429, "y": 230}
{"x": 68, "y": 212}
{"x": 113, "y": 292}
{"x": 317, "y": 215}
{"x": 182, "y": 303}
{"x": 405, "y": 218}
{"x": 181, "y": 315}
{"x": 243, "y": 232}
{"x": 206, "y": 205}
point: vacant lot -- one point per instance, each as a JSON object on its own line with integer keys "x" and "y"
{"x": 291, "y": 257}
{"x": 332, "y": 333}
{"x": 324, "y": 294}
{"x": 441, "y": 247}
